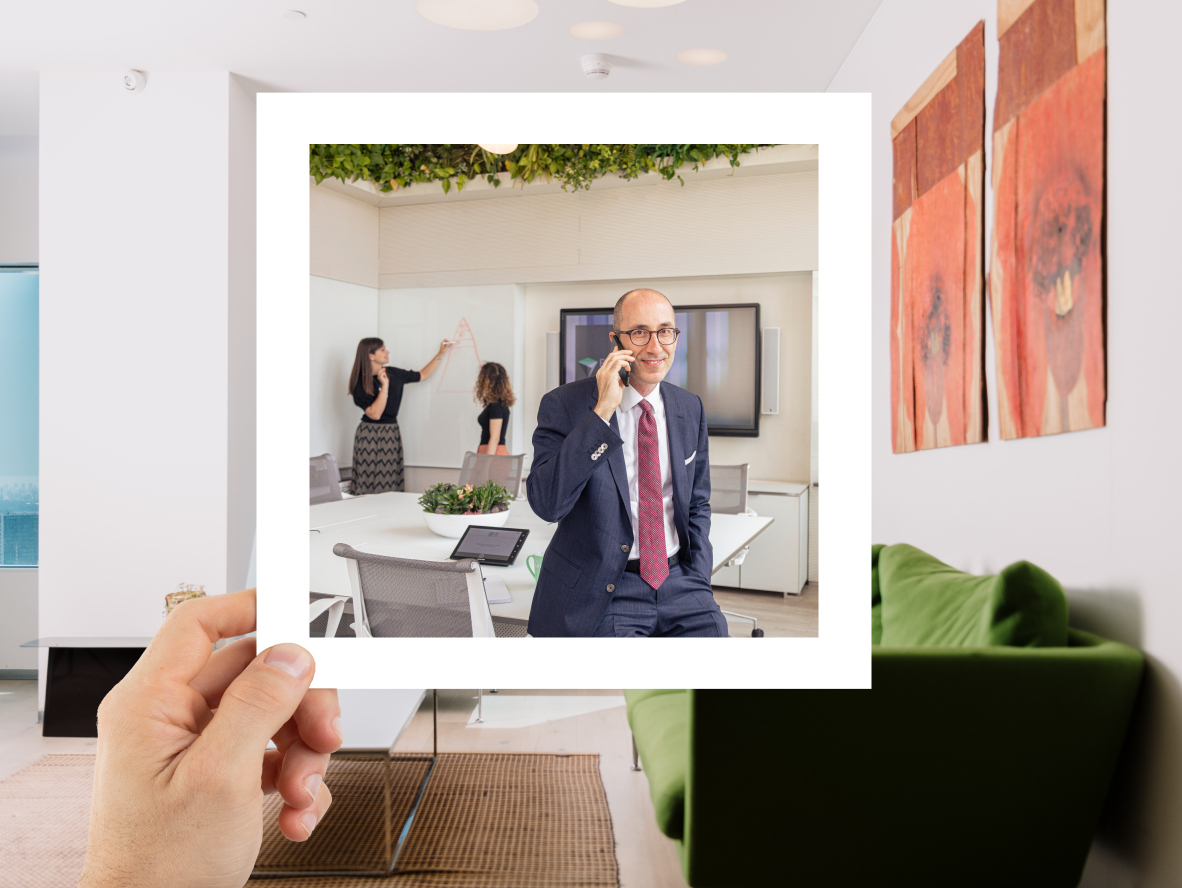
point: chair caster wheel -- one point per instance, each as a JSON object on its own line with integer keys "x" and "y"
{"x": 757, "y": 633}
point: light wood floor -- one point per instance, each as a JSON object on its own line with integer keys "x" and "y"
{"x": 791, "y": 616}
{"x": 541, "y": 721}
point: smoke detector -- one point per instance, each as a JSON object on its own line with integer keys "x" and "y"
{"x": 596, "y": 66}
{"x": 134, "y": 81}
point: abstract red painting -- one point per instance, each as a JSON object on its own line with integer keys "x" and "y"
{"x": 1046, "y": 276}
{"x": 937, "y": 289}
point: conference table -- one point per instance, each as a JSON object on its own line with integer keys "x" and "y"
{"x": 393, "y": 524}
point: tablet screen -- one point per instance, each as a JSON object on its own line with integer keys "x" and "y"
{"x": 495, "y": 544}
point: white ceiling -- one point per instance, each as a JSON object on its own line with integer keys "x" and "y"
{"x": 384, "y": 46}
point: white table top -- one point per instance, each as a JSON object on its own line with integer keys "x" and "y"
{"x": 393, "y": 524}
{"x": 57, "y": 641}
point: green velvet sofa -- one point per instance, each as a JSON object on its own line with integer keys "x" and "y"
{"x": 964, "y": 766}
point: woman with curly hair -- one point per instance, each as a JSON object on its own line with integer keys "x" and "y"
{"x": 494, "y": 392}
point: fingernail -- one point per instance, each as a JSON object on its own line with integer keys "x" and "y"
{"x": 308, "y": 819}
{"x": 312, "y": 785}
{"x": 336, "y": 726}
{"x": 290, "y": 658}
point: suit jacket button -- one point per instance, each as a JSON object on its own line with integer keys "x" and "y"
{"x": 611, "y": 587}
{"x": 623, "y": 548}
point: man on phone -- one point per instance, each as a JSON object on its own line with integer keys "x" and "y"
{"x": 625, "y": 471}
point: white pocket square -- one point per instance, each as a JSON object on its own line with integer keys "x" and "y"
{"x": 691, "y": 457}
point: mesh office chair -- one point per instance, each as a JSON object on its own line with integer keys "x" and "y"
{"x": 326, "y": 479}
{"x": 481, "y": 467}
{"x": 728, "y": 489}
{"x": 405, "y": 598}
{"x": 728, "y": 496}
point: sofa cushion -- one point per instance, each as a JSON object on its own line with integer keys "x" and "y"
{"x": 875, "y": 596}
{"x": 926, "y": 603}
{"x": 632, "y": 698}
{"x": 660, "y": 724}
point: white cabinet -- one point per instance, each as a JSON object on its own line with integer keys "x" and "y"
{"x": 778, "y": 560}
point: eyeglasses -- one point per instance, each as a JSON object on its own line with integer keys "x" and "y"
{"x": 665, "y": 336}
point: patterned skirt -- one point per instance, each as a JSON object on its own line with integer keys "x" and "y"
{"x": 377, "y": 458}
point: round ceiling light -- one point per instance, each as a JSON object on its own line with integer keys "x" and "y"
{"x": 499, "y": 149}
{"x": 477, "y": 15}
{"x": 597, "y": 30}
{"x": 295, "y": 15}
{"x": 701, "y": 57}
{"x": 646, "y": 4}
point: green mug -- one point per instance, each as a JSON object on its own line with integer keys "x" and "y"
{"x": 534, "y": 563}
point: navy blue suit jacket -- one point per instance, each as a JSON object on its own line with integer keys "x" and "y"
{"x": 585, "y": 489}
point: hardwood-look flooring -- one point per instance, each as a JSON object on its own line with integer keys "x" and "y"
{"x": 535, "y": 721}
{"x": 792, "y": 616}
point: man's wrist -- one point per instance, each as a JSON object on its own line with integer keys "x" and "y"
{"x": 604, "y": 412}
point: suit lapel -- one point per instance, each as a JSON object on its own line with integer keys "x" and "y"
{"x": 615, "y": 462}
{"x": 675, "y": 424}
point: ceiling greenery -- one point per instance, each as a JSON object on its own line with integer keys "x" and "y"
{"x": 575, "y": 166}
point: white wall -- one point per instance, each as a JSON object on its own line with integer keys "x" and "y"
{"x": 343, "y": 238}
{"x": 341, "y": 314}
{"x": 756, "y": 225}
{"x": 18, "y": 603}
{"x": 146, "y": 308}
{"x": 1097, "y": 508}
{"x": 18, "y": 199}
{"x": 781, "y": 452}
{"x": 437, "y": 418}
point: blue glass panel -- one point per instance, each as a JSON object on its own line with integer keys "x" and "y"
{"x": 18, "y": 418}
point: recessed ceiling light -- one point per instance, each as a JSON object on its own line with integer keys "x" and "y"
{"x": 701, "y": 57}
{"x": 597, "y": 30}
{"x": 295, "y": 15}
{"x": 646, "y": 4}
{"x": 477, "y": 15}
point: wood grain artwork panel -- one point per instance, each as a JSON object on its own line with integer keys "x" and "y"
{"x": 902, "y": 382}
{"x": 936, "y": 257}
{"x": 937, "y": 281}
{"x": 1060, "y": 205}
{"x": 1047, "y": 266}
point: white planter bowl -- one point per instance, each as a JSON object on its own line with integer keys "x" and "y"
{"x": 453, "y": 526}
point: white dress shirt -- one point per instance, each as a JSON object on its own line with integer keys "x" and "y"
{"x": 628, "y": 416}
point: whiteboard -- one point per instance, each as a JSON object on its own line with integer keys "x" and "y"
{"x": 438, "y": 417}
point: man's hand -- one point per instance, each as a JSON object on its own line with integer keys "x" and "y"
{"x": 611, "y": 388}
{"x": 182, "y": 763}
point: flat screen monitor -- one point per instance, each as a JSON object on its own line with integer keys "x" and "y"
{"x": 717, "y": 358}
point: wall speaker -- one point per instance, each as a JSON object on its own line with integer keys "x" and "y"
{"x": 770, "y": 371}
{"x": 551, "y": 361}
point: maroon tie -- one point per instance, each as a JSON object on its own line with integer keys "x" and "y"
{"x": 654, "y": 563}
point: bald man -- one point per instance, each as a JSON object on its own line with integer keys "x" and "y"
{"x": 625, "y": 471}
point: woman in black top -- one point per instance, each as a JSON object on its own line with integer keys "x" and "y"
{"x": 377, "y": 389}
{"x": 495, "y": 393}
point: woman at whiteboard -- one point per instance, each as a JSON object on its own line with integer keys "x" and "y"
{"x": 377, "y": 390}
{"x": 496, "y": 395}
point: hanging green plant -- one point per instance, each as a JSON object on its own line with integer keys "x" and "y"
{"x": 574, "y": 166}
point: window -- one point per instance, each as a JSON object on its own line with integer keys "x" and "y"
{"x": 18, "y": 415}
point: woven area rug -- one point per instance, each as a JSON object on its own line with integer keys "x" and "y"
{"x": 486, "y": 821}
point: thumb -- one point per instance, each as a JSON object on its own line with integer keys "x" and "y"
{"x": 256, "y": 705}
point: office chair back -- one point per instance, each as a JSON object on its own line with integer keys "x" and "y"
{"x": 405, "y": 598}
{"x": 479, "y": 468}
{"x": 728, "y": 489}
{"x": 326, "y": 479}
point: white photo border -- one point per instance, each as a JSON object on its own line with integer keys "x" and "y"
{"x": 838, "y": 123}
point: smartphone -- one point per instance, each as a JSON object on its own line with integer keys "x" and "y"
{"x": 623, "y": 373}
